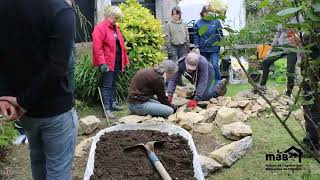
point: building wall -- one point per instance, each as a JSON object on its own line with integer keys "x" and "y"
{"x": 163, "y": 9}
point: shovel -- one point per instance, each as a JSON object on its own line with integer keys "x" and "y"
{"x": 149, "y": 146}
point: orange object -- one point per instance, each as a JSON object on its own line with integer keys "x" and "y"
{"x": 263, "y": 50}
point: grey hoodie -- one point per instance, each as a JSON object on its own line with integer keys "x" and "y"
{"x": 176, "y": 33}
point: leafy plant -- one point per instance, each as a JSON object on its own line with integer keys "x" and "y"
{"x": 87, "y": 77}
{"x": 280, "y": 71}
{"x": 144, "y": 41}
{"x": 7, "y": 133}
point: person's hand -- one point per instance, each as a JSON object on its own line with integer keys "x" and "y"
{"x": 195, "y": 50}
{"x": 169, "y": 99}
{"x": 221, "y": 49}
{"x": 104, "y": 68}
{"x": 127, "y": 66}
{"x": 8, "y": 109}
{"x": 192, "y": 104}
{"x": 13, "y": 101}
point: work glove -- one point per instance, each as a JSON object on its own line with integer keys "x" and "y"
{"x": 192, "y": 104}
{"x": 221, "y": 49}
{"x": 104, "y": 68}
{"x": 169, "y": 99}
{"x": 195, "y": 50}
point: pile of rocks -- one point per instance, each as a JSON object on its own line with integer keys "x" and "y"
{"x": 229, "y": 114}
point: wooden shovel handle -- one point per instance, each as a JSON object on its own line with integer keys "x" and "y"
{"x": 158, "y": 165}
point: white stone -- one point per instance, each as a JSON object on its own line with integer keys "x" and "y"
{"x": 208, "y": 165}
{"x": 178, "y": 101}
{"x": 209, "y": 114}
{"x": 243, "y": 103}
{"x": 82, "y": 146}
{"x": 229, "y": 154}
{"x": 133, "y": 119}
{"x": 214, "y": 100}
{"x": 156, "y": 119}
{"x": 203, "y": 128}
{"x": 89, "y": 124}
{"x": 186, "y": 125}
{"x": 174, "y": 118}
{"x": 298, "y": 114}
{"x": 226, "y": 115}
{"x": 236, "y": 131}
{"x": 191, "y": 117}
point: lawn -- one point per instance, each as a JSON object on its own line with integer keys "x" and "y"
{"x": 268, "y": 137}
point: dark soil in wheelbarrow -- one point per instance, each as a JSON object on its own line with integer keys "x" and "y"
{"x": 114, "y": 161}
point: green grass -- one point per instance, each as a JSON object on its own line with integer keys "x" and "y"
{"x": 234, "y": 89}
{"x": 268, "y": 137}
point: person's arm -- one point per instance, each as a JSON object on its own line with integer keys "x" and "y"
{"x": 167, "y": 35}
{"x": 173, "y": 82}
{"x": 202, "y": 81}
{"x": 160, "y": 92}
{"x": 97, "y": 46}
{"x": 60, "y": 39}
{"x": 196, "y": 37}
{"x": 187, "y": 35}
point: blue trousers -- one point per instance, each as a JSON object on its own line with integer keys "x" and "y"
{"x": 108, "y": 87}
{"x": 214, "y": 59}
{"x": 151, "y": 107}
{"x": 52, "y": 143}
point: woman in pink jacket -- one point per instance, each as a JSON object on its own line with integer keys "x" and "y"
{"x": 110, "y": 55}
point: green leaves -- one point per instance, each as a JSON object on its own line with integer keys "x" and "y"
{"x": 289, "y": 11}
{"x": 203, "y": 30}
{"x": 316, "y": 7}
{"x": 313, "y": 16}
{"x": 263, "y": 4}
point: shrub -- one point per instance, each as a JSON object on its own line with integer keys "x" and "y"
{"x": 7, "y": 133}
{"x": 87, "y": 77}
{"x": 144, "y": 39}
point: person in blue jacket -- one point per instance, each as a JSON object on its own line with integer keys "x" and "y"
{"x": 205, "y": 42}
{"x": 199, "y": 72}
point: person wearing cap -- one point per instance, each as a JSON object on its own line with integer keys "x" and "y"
{"x": 149, "y": 82}
{"x": 200, "y": 72}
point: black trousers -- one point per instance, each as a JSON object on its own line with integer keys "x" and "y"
{"x": 291, "y": 64}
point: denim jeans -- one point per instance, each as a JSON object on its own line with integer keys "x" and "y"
{"x": 52, "y": 143}
{"x": 177, "y": 51}
{"x": 211, "y": 92}
{"x": 214, "y": 59}
{"x": 151, "y": 107}
{"x": 109, "y": 86}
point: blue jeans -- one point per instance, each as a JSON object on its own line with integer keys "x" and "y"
{"x": 214, "y": 59}
{"x": 52, "y": 143}
{"x": 108, "y": 88}
{"x": 211, "y": 92}
{"x": 151, "y": 107}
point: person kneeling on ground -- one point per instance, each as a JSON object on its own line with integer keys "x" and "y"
{"x": 199, "y": 72}
{"x": 149, "y": 82}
